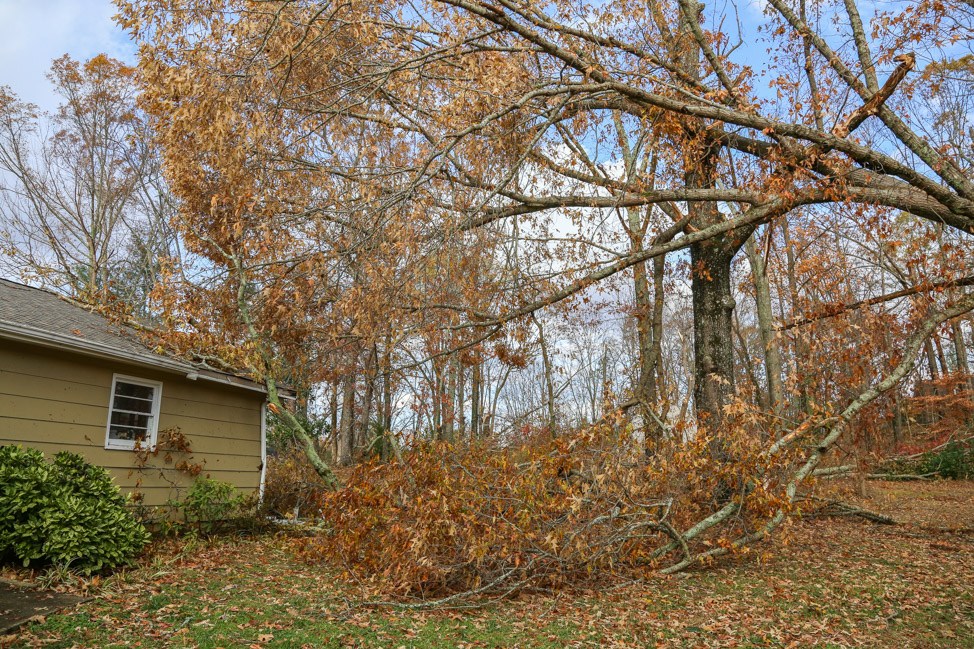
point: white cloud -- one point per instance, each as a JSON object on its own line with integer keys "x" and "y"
{"x": 35, "y": 32}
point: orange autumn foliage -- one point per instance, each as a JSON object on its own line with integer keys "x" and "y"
{"x": 577, "y": 510}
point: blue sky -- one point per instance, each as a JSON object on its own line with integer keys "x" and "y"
{"x": 35, "y": 32}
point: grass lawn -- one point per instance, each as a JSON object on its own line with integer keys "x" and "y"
{"x": 826, "y": 583}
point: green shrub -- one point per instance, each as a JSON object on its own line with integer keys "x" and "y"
{"x": 211, "y": 502}
{"x": 955, "y": 461}
{"x": 65, "y": 512}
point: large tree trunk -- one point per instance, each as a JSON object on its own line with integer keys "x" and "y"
{"x": 713, "y": 306}
{"x": 710, "y": 265}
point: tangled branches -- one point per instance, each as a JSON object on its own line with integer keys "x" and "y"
{"x": 578, "y": 510}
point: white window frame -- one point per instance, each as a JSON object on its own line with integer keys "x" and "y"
{"x": 153, "y": 428}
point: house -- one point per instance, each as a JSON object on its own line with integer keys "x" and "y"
{"x": 70, "y": 380}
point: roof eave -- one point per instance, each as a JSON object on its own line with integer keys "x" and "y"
{"x": 14, "y": 331}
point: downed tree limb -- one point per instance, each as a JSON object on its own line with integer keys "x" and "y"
{"x": 842, "y": 508}
{"x": 839, "y": 425}
{"x": 834, "y": 471}
{"x": 902, "y": 477}
{"x": 846, "y": 471}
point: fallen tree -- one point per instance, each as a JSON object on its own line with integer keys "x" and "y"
{"x": 447, "y": 524}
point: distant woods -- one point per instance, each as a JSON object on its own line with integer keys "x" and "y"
{"x": 465, "y": 221}
{"x": 84, "y": 208}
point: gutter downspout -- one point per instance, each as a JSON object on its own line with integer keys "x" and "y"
{"x": 263, "y": 451}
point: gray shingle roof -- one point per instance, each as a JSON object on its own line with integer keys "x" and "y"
{"x": 35, "y": 315}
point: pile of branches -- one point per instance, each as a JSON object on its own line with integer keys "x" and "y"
{"x": 452, "y": 522}
{"x": 448, "y": 522}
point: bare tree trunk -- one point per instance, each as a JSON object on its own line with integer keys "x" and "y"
{"x": 745, "y": 356}
{"x": 475, "y": 400}
{"x": 772, "y": 354}
{"x": 649, "y": 330}
{"x": 931, "y": 355}
{"x": 710, "y": 264}
{"x": 713, "y": 305}
{"x": 365, "y": 435}
{"x": 333, "y": 405}
{"x": 801, "y": 348}
{"x": 460, "y": 401}
{"x": 447, "y": 399}
{"x": 941, "y": 357}
{"x": 346, "y": 431}
{"x": 898, "y": 418}
{"x": 645, "y": 386}
{"x": 437, "y": 414}
{"x": 926, "y": 416}
{"x": 386, "y": 414}
{"x": 656, "y": 378}
{"x": 549, "y": 384}
{"x": 960, "y": 351}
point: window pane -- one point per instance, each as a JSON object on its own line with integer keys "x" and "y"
{"x": 130, "y": 403}
{"x": 129, "y": 420}
{"x": 133, "y": 390}
{"x": 132, "y": 412}
{"x": 128, "y": 434}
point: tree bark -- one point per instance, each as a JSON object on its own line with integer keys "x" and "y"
{"x": 713, "y": 306}
{"x": 475, "y": 400}
{"x": 333, "y": 406}
{"x": 760, "y": 395}
{"x": 447, "y": 399}
{"x": 801, "y": 348}
{"x": 347, "y": 426}
{"x": 960, "y": 351}
{"x": 365, "y": 435}
{"x": 772, "y": 354}
{"x": 549, "y": 384}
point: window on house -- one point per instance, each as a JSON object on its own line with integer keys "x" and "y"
{"x": 133, "y": 412}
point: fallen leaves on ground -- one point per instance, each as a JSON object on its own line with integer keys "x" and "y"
{"x": 827, "y": 582}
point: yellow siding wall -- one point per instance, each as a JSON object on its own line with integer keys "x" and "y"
{"x": 58, "y": 401}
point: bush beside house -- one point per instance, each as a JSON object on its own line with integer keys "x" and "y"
{"x": 65, "y": 512}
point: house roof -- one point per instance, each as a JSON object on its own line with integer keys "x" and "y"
{"x": 37, "y": 316}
